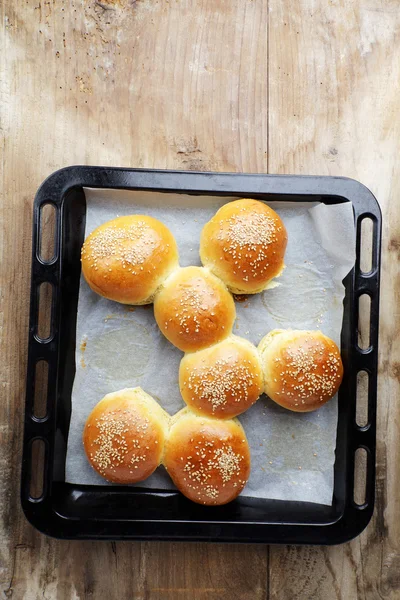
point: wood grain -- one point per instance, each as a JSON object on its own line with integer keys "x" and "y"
{"x": 145, "y": 83}
{"x": 334, "y": 110}
{"x": 228, "y": 85}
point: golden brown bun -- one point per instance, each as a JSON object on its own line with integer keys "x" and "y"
{"x": 128, "y": 258}
{"x": 244, "y": 245}
{"x": 223, "y": 380}
{"x": 302, "y": 369}
{"x": 207, "y": 459}
{"x": 124, "y": 436}
{"x": 194, "y": 309}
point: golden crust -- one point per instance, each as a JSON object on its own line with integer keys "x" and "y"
{"x": 193, "y": 309}
{"x": 128, "y": 258}
{"x": 207, "y": 459}
{"x": 124, "y": 436}
{"x": 222, "y": 381}
{"x": 302, "y": 369}
{"x": 244, "y": 245}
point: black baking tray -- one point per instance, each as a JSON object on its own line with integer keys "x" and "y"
{"x": 65, "y": 510}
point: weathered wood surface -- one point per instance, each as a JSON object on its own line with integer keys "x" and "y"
{"x": 229, "y": 85}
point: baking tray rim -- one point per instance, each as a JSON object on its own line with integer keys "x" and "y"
{"x": 57, "y": 187}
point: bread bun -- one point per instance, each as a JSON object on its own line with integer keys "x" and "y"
{"x": 302, "y": 369}
{"x": 222, "y": 381}
{"x": 207, "y": 459}
{"x": 194, "y": 309}
{"x": 124, "y": 436}
{"x": 128, "y": 258}
{"x": 244, "y": 245}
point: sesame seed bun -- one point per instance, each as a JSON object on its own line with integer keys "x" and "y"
{"x": 128, "y": 258}
{"x": 124, "y": 436}
{"x": 193, "y": 309}
{"x": 222, "y": 381}
{"x": 207, "y": 459}
{"x": 244, "y": 245}
{"x": 302, "y": 369}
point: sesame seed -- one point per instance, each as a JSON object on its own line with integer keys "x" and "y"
{"x": 112, "y": 445}
{"x": 130, "y": 246}
{"x": 224, "y": 381}
{"x": 246, "y": 239}
{"x": 299, "y": 378}
{"x": 208, "y": 462}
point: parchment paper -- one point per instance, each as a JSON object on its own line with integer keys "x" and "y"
{"x": 119, "y": 346}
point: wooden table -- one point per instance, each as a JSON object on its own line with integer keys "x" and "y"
{"x": 277, "y": 86}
